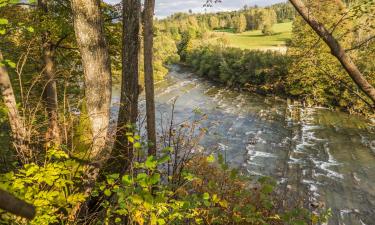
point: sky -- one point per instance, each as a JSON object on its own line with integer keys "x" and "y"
{"x": 165, "y": 8}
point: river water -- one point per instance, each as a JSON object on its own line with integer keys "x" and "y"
{"x": 327, "y": 156}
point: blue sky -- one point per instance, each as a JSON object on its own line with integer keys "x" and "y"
{"x": 167, "y": 7}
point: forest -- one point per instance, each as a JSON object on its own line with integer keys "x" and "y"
{"x": 110, "y": 114}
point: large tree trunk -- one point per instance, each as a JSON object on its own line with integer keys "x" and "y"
{"x": 50, "y": 92}
{"x": 337, "y": 50}
{"x": 148, "y": 18}
{"x": 123, "y": 151}
{"x": 17, "y": 123}
{"x": 89, "y": 30}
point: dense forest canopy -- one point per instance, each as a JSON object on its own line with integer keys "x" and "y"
{"x": 69, "y": 155}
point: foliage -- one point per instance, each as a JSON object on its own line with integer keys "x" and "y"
{"x": 314, "y": 74}
{"x": 258, "y": 18}
{"x": 210, "y": 193}
{"x": 239, "y": 23}
{"x": 185, "y": 45}
{"x": 267, "y": 30}
{"x": 235, "y": 67}
{"x": 52, "y": 186}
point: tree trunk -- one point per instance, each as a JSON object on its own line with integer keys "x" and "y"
{"x": 50, "y": 92}
{"x": 123, "y": 151}
{"x": 17, "y": 123}
{"x": 89, "y": 31}
{"x": 148, "y": 16}
{"x": 336, "y": 49}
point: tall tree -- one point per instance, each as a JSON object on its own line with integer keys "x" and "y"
{"x": 149, "y": 73}
{"x": 16, "y": 121}
{"x": 50, "y": 92}
{"x": 336, "y": 49}
{"x": 240, "y": 23}
{"x": 123, "y": 150}
{"x": 89, "y": 31}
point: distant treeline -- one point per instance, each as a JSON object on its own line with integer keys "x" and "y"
{"x": 248, "y": 18}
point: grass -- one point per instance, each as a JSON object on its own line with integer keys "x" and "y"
{"x": 256, "y": 40}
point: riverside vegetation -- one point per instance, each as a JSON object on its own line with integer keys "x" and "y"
{"x": 65, "y": 162}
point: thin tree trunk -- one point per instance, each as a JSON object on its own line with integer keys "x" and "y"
{"x": 149, "y": 74}
{"x": 336, "y": 49}
{"x": 89, "y": 30}
{"x": 50, "y": 92}
{"x": 17, "y": 123}
{"x": 123, "y": 151}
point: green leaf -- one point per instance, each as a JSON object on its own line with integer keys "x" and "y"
{"x": 114, "y": 176}
{"x": 107, "y": 192}
{"x": 161, "y": 221}
{"x": 150, "y": 163}
{"x": 141, "y": 176}
{"x": 137, "y": 145}
{"x": 164, "y": 159}
{"x": 127, "y": 180}
{"x": 2, "y": 31}
{"x": 131, "y": 139}
{"x": 30, "y": 29}
{"x": 3, "y": 21}
{"x": 155, "y": 178}
{"x": 206, "y": 196}
{"x": 211, "y": 158}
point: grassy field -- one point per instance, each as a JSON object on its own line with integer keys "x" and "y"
{"x": 256, "y": 40}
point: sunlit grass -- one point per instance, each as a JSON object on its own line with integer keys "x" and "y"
{"x": 256, "y": 40}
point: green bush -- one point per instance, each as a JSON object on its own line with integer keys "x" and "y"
{"x": 52, "y": 187}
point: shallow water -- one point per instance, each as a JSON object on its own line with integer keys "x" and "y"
{"x": 327, "y": 156}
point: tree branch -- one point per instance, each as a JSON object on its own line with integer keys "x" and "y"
{"x": 16, "y": 206}
{"x": 336, "y": 49}
{"x": 360, "y": 45}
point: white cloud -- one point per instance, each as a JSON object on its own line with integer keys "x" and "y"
{"x": 167, "y": 7}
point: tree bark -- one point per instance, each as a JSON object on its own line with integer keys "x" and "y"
{"x": 89, "y": 31}
{"x": 50, "y": 92}
{"x": 16, "y": 206}
{"x": 17, "y": 123}
{"x": 123, "y": 151}
{"x": 336, "y": 49}
{"x": 149, "y": 74}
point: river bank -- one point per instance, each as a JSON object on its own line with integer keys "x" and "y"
{"x": 269, "y": 73}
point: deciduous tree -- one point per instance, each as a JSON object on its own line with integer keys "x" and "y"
{"x": 149, "y": 74}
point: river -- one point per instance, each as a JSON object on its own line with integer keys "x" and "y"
{"x": 328, "y": 156}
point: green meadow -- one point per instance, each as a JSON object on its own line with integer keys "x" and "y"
{"x": 257, "y": 40}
